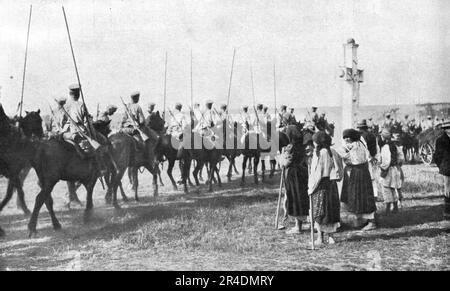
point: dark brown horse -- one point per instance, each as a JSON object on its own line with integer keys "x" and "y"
{"x": 128, "y": 155}
{"x": 15, "y": 156}
{"x": 56, "y": 160}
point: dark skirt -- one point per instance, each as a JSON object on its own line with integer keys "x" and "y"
{"x": 296, "y": 183}
{"x": 357, "y": 190}
{"x": 326, "y": 205}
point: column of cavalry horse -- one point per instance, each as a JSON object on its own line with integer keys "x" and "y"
{"x": 54, "y": 159}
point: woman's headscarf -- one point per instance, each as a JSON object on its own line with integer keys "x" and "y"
{"x": 352, "y": 134}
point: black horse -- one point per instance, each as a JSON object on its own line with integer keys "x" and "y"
{"x": 17, "y": 149}
{"x": 15, "y": 154}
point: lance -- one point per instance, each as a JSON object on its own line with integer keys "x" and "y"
{"x": 192, "y": 88}
{"x": 231, "y": 78}
{"x": 98, "y": 111}
{"x": 254, "y": 97}
{"x": 280, "y": 193}
{"x": 275, "y": 89}
{"x": 25, "y": 63}
{"x": 78, "y": 76}
{"x": 165, "y": 89}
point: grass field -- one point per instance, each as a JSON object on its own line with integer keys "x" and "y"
{"x": 230, "y": 229}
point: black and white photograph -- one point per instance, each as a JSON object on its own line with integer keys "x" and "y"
{"x": 224, "y": 135}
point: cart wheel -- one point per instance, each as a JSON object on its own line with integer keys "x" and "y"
{"x": 426, "y": 153}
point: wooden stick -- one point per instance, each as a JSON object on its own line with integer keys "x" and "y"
{"x": 280, "y": 191}
{"x": 25, "y": 63}
{"x": 78, "y": 76}
{"x": 165, "y": 88}
{"x": 231, "y": 78}
{"x": 192, "y": 86}
{"x": 312, "y": 221}
{"x": 274, "y": 89}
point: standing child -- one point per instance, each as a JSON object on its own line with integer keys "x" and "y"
{"x": 392, "y": 178}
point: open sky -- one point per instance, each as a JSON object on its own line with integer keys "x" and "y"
{"x": 120, "y": 47}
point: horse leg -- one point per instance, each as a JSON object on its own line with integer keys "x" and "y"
{"x": 49, "y": 205}
{"x": 219, "y": 181}
{"x": 122, "y": 192}
{"x": 273, "y": 164}
{"x": 72, "y": 188}
{"x": 20, "y": 201}
{"x": 263, "y": 170}
{"x": 212, "y": 174}
{"x": 155, "y": 181}
{"x": 169, "y": 173}
{"x": 197, "y": 169}
{"x": 250, "y": 167}
{"x": 211, "y": 177}
{"x": 185, "y": 174}
{"x": 89, "y": 203}
{"x": 41, "y": 198}
{"x": 2, "y": 232}
{"x": 135, "y": 183}
{"x": 230, "y": 170}
{"x": 255, "y": 168}
{"x": 244, "y": 167}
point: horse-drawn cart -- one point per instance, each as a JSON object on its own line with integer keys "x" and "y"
{"x": 427, "y": 144}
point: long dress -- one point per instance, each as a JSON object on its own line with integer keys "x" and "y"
{"x": 296, "y": 183}
{"x": 357, "y": 190}
{"x": 323, "y": 189}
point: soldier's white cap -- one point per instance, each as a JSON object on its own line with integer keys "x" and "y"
{"x": 61, "y": 100}
{"x": 135, "y": 94}
{"x": 151, "y": 104}
{"x": 74, "y": 87}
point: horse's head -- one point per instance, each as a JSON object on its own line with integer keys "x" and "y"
{"x": 31, "y": 124}
{"x": 156, "y": 122}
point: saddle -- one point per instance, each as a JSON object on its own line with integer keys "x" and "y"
{"x": 81, "y": 146}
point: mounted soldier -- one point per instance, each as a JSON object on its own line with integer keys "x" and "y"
{"x": 178, "y": 123}
{"x": 58, "y": 121}
{"x": 291, "y": 111}
{"x": 78, "y": 130}
{"x": 246, "y": 120}
{"x": 259, "y": 123}
{"x": 134, "y": 119}
{"x": 285, "y": 118}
